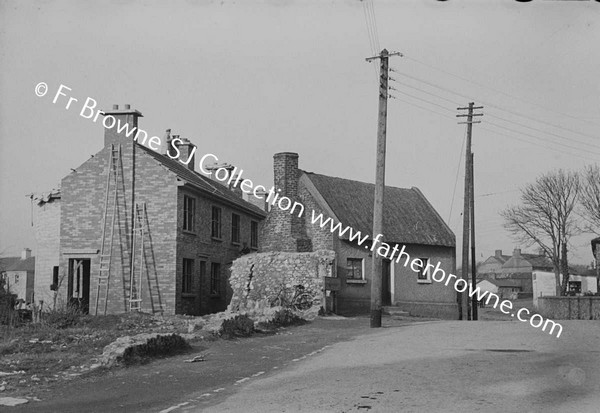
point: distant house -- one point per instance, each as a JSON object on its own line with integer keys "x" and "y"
{"x": 514, "y": 270}
{"x": 409, "y": 219}
{"x": 544, "y": 284}
{"x": 140, "y": 230}
{"x": 19, "y": 276}
{"x": 488, "y": 285}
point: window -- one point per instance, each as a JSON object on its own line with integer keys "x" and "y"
{"x": 216, "y": 222}
{"x": 354, "y": 269}
{"x": 54, "y": 285}
{"x": 235, "y": 228}
{"x": 253, "y": 234}
{"x": 187, "y": 276}
{"x": 423, "y": 275}
{"x": 189, "y": 213}
{"x": 215, "y": 278}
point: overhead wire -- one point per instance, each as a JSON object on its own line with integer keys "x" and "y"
{"x": 462, "y": 148}
{"x": 492, "y": 105}
{"x": 498, "y": 90}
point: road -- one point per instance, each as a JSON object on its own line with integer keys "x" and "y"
{"x": 344, "y": 366}
{"x": 446, "y": 366}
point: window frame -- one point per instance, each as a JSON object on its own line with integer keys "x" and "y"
{"x": 236, "y": 229}
{"x": 188, "y": 223}
{"x": 348, "y": 268}
{"x": 216, "y": 224}
{"x": 215, "y": 279}
{"x": 187, "y": 276}
{"x": 424, "y": 274}
{"x": 254, "y": 235}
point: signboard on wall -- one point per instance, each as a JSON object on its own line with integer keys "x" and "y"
{"x": 333, "y": 284}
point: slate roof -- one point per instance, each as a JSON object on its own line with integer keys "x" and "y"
{"x": 213, "y": 188}
{"x": 27, "y": 264}
{"x": 408, "y": 217}
{"x": 7, "y": 262}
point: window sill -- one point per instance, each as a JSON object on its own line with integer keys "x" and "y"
{"x": 217, "y": 239}
{"x": 356, "y": 281}
{"x": 237, "y": 244}
{"x": 188, "y": 232}
{"x": 254, "y": 248}
{"x": 188, "y": 295}
{"x": 424, "y": 281}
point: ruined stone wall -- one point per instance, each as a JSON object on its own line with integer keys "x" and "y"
{"x": 257, "y": 278}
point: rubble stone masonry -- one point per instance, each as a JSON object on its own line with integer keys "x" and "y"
{"x": 257, "y": 278}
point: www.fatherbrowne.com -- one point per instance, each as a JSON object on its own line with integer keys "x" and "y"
{"x": 438, "y": 275}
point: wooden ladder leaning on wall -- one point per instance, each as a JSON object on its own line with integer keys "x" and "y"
{"x": 106, "y": 246}
{"x": 137, "y": 275}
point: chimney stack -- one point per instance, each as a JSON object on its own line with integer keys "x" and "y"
{"x": 517, "y": 253}
{"x": 188, "y": 153}
{"x": 26, "y": 253}
{"x": 167, "y": 140}
{"x": 284, "y": 231}
{"x": 122, "y": 117}
{"x": 498, "y": 254}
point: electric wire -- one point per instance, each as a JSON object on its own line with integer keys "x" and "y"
{"x": 492, "y": 105}
{"x": 497, "y": 90}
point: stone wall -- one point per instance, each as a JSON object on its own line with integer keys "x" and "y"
{"x": 258, "y": 278}
{"x": 570, "y": 308}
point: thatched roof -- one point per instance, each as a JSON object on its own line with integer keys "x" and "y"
{"x": 408, "y": 217}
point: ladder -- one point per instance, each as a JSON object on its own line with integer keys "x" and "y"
{"x": 136, "y": 277}
{"x": 106, "y": 246}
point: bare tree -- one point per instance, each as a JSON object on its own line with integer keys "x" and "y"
{"x": 589, "y": 197}
{"x": 545, "y": 217}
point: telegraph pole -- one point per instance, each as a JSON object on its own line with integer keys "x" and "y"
{"x": 467, "y": 204}
{"x": 474, "y": 303}
{"x": 376, "y": 267}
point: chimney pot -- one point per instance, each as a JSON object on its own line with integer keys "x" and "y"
{"x": 115, "y": 107}
{"x": 127, "y": 106}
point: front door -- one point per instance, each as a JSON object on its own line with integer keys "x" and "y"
{"x": 386, "y": 291}
{"x": 78, "y": 288}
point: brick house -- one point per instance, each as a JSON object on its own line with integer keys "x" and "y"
{"x": 409, "y": 219}
{"x": 193, "y": 227}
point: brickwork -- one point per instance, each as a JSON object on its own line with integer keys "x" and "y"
{"x": 46, "y": 226}
{"x": 258, "y": 279}
{"x": 201, "y": 247}
{"x": 285, "y": 231}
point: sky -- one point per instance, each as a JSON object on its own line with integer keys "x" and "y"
{"x": 247, "y": 79}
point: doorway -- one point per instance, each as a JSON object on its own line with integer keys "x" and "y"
{"x": 386, "y": 284}
{"x": 78, "y": 288}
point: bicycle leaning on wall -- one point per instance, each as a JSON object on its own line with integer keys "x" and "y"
{"x": 300, "y": 300}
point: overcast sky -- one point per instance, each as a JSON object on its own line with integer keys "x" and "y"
{"x": 247, "y": 79}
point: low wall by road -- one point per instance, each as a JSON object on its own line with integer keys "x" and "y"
{"x": 570, "y": 308}
{"x": 255, "y": 278}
